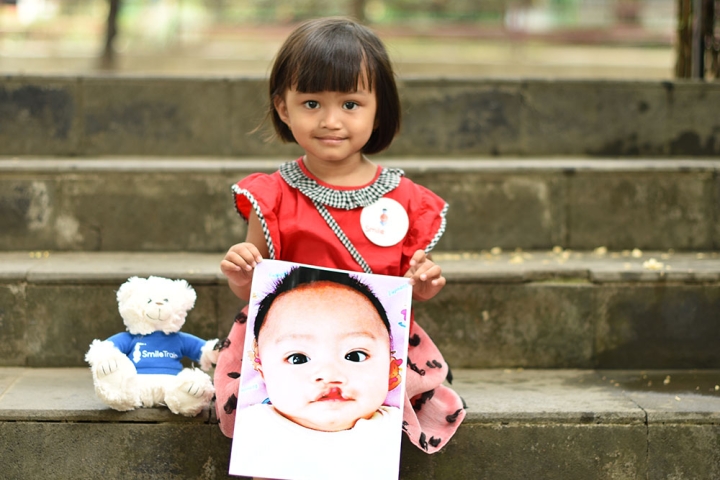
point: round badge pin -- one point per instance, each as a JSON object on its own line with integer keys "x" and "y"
{"x": 385, "y": 223}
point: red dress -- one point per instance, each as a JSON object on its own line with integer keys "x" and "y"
{"x": 286, "y": 203}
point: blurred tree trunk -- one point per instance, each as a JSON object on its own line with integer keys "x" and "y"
{"x": 698, "y": 46}
{"x": 107, "y": 61}
{"x": 711, "y": 25}
{"x": 357, "y": 8}
{"x": 683, "y": 61}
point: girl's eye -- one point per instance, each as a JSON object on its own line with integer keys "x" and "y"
{"x": 312, "y": 104}
{"x": 297, "y": 359}
{"x": 350, "y": 105}
{"x": 149, "y": 300}
{"x": 356, "y": 356}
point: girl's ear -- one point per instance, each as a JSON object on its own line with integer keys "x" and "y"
{"x": 281, "y": 109}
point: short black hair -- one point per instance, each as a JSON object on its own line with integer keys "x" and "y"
{"x": 299, "y": 276}
{"x": 332, "y": 54}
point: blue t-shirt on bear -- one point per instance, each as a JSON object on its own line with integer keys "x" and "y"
{"x": 159, "y": 352}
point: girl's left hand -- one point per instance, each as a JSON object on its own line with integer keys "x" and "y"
{"x": 425, "y": 276}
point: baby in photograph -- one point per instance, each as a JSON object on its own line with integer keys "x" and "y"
{"x": 323, "y": 346}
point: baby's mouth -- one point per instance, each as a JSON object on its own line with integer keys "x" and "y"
{"x": 332, "y": 395}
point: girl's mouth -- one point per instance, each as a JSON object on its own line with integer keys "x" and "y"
{"x": 331, "y": 140}
{"x": 332, "y": 395}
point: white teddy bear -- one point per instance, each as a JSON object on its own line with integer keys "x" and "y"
{"x": 141, "y": 367}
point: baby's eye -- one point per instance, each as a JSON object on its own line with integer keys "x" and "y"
{"x": 356, "y": 356}
{"x": 297, "y": 359}
{"x": 350, "y": 105}
{"x": 312, "y": 104}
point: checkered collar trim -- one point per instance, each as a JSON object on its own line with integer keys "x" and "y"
{"x": 387, "y": 181}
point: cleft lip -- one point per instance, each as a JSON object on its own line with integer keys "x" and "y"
{"x": 331, "y": 394}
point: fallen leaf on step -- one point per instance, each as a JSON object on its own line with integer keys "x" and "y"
{"x": 653, "y": 264}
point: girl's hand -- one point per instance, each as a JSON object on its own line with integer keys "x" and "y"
{"x": 425, "y": 276}
{"x": 239, "y": 263}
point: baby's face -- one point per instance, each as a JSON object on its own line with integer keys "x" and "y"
{"x": 325, "y": 356}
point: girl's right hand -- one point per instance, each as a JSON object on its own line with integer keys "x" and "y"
{"x": 240, "y": 262}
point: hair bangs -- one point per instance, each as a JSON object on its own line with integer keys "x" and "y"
{"x": 332, "y": 66}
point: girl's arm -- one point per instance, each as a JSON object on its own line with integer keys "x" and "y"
{"x": 425, "y": 276}
{"x": 240, "y": 261}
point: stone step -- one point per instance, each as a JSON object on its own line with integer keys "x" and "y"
{"x": 540, "y": 309}
{"x": 184, "y": 204}
{"x": 144, "y": 115}
{"x": 550, "y": 424}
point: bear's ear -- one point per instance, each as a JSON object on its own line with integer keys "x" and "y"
{"x": 128, "y": 289}
{"x": 186, "y": 294}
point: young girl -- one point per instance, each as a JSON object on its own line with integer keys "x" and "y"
{"x": 333, "y": 92}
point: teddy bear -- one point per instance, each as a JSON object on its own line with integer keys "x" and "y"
{"x": 142, "y": 366}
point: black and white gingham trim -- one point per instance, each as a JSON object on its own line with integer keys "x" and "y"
{"x": 388, "y": 180}
{"x": 440, "y": 231}
{"x": 342, "y": 237}
{"x": 241, "y": 191}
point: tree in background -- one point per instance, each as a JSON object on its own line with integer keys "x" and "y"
{"x": 698, "y": 44}
{"x": 108, "y": 58}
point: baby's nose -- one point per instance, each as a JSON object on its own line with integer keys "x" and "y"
{"x": 329, "y": 373}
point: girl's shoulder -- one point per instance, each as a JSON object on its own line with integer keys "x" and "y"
{"x": 260, "y": 179}
{"x": 418, "y": 197}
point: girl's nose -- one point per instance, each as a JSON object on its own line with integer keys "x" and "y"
{"x": 331, "y": 119}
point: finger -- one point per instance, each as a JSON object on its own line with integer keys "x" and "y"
{"x": 434, "y": 276}
{"x": 247, "y": 250}
{"x": 426, "y": 270}
{"x": 418, "y": 257}
{"x": 244, "y": 260}
{"x": 228, "y": 267}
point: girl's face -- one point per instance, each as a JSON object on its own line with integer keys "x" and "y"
{"x": 329, "y": 126}
{"x": 325, "y": 356}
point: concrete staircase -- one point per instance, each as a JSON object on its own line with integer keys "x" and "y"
{"x": 580, "y": 315}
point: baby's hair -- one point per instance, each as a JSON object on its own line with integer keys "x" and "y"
{"x": 334, "y": 54}
{"x": 300, "y": 276}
